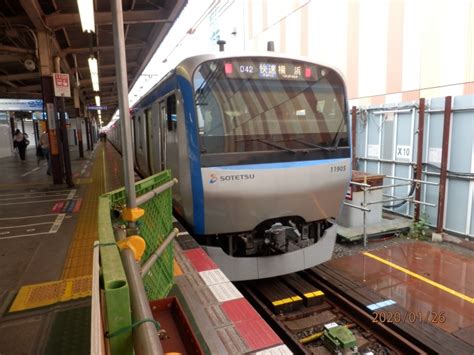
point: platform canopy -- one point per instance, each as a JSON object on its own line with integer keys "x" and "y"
{"x": 146, "y": 24}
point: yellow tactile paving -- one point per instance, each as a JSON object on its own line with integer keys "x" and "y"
{"x": 79, "y": 259}
{"x": 45, "y": 294}
{"x": 83, "y": 181}
{"x": 76, "y": 277}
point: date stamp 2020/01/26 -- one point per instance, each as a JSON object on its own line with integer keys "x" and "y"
{"x": 408, "y": 317}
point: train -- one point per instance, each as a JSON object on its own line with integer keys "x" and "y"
{"x": 261, "y": 147}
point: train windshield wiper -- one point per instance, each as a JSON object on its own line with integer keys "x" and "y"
{"x": 272, "y": 144}
{"x": 308, "y": 144}
{"x": 276, "y": 145}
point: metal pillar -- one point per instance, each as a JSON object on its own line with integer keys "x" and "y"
{"x": 36, "y": 132}
{"x": 46, "y": 66}
{"x": 145, "y": 336}
{"x": 53, "y": 136}
{"x": 91, "y": 135}
{"x": 419, "y": 157}
{"x": 63, "y": 133}
{"x": 12, "y": 123}
{"x": 77, "y": 107}
{"x": 444, "y": 164}
{"x": 354, "y": 137}
{"x": 88, "y": 138}
{"x": 122, "y": 86}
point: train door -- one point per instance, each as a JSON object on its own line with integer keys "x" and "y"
{"x": 140, "y": 143}
{"x": 163, "y": 130}
{"x": 172, "y": 156}
{"x": 134, "y": 138}
{"x": 154, "y": 147}
{"x": 149, "y": 140}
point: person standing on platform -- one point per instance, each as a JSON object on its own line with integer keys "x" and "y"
{"x": 44, "y": 144}
{"x": 20, "y": 142}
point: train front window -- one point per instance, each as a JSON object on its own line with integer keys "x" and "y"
{"x": 268, "y": 104}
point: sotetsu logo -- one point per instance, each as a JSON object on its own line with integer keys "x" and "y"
{"x": 224, "y": 178}
{"x": 213, "y": 179}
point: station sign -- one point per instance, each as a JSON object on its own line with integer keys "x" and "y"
{"x": 21, "y": 105}
{"x": 62, "y": 85}
{"x": 96, "y": 108}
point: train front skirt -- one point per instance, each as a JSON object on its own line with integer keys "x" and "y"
{"x": 251, "y": 268}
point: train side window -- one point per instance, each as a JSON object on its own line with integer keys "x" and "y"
{"x": 171, "y": 112}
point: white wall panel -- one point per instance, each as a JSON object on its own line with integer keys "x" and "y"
{"x": 328, "y": 46}
{"x": 453, "y": 36}
{"x": 373, "y": 47}
{"x": 411, "y": 46}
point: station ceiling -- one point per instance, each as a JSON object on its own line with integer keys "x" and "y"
{"x": 146, "y": 23}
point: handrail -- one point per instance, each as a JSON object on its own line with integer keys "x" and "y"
{"x": 147, "y": 265}
{"x": 150, "y": 194}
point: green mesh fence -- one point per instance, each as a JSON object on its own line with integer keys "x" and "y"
{"x": 154, "y": 227}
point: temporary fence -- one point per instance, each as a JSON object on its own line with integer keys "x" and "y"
{"x": 430, "y": 141}
{"x": 156, "y": 228}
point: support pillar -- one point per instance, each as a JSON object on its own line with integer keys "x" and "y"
{"x": 63, "y": 134}
{"x": 77, "y": 106}
{"x": 444, "y": 164}
{"x": 36, "y": 132}
{"x": 145, "y": 336}
{"x": 419, "y": 157}
{"x": 12, "y": 123}
{"x": 91, "y": 132}
{"x": 88, "y": 137}
{"x": 46, "y": 69}
{"x": 354, "y": 137}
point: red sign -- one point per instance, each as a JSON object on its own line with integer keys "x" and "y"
{"x": 61, "y": 85}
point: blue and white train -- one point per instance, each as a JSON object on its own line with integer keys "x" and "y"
{"x": 260, "y": 145}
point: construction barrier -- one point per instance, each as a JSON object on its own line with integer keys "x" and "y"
{"x": 153, "y": 227}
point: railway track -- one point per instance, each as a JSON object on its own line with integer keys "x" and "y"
{"x": 312, "y": 316}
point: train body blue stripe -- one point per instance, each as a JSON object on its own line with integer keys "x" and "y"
{"x": 284, "y": 165}
{"x": 193, "y": 153}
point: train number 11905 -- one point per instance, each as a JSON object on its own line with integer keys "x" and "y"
{"x": 338, "y": 169}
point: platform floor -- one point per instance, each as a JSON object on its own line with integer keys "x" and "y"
{"x": 46, "y": 238}
{"x": 432, "y": 285}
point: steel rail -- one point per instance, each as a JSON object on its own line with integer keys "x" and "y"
{"x": 277, "y": 325}
{"x": 381, "y": 331}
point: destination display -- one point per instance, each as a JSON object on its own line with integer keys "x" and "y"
{"x": 242, "y": 69}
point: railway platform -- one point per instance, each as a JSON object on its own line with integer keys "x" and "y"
{"x": 47, "y": 236}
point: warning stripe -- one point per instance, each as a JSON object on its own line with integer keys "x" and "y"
{"x": 286, "y": 300}
{"x": 314, "y": 294}
{"x": 252, "y": 329}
